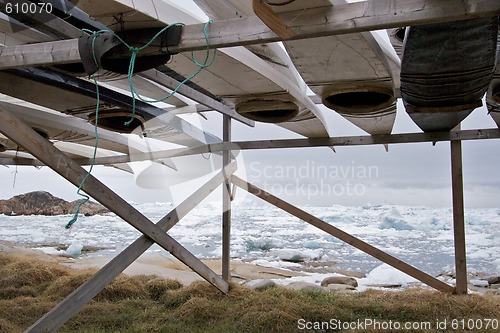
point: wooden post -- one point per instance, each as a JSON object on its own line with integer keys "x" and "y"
{"x": 458, "y": 217}
{"x": 26, "y": 137}
{"x": 73, "y": 303}
{"x": 226, "y": 204}
{"x": 343, "y": 236}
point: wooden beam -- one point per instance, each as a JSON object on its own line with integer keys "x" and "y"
{"x": 458, "y": 218}
{"x": 365, "y": 140}
{"x": 315, "y": 22}
{"x": 343, "y": 236}
{"x": 338, "y": 19}
{"x": 43, "y": 150}
{"x": 226, "y": 204}
{"x": 56, "y": 317}
{"x": 272, "y": 19}
{"x": 40, "y": 54}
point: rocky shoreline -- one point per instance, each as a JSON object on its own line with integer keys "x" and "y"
{"x": 253, "y": 275}
{"x": 44, "y": 203}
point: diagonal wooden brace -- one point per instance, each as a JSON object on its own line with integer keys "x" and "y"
{"x": 68, "y": 307}
{"x": 272, "y": 19}
{"x": 343, "y": 236}
{"x": 42, "y": 149}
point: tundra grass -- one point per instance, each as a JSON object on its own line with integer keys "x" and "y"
{"x": 29, "y": 289}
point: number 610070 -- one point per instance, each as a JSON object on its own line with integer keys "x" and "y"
{"x": 28, "y": 8}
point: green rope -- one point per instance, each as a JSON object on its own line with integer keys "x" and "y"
{"x": 201, "y": 66}
{"x": 135, "y": 51}
{"x": 86, "y": 197}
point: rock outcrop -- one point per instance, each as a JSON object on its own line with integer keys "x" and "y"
{"x": 44, "y": 203}
{"x": 260, "y": 284}
{"x": 304, "y": 286}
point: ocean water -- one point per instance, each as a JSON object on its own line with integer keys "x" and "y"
{"x": 420, "y": 236}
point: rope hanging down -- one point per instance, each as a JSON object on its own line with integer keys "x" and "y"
{"x": 135, "y": 95}
{"x": 86, "y": 198}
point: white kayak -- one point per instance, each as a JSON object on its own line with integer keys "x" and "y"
{"x": 254, "y": 84}
{"x": 350, "y": 73}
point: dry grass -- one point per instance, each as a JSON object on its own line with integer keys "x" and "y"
{"x": 29, "y": 288}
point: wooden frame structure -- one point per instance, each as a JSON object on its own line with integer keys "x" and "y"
{"x": 355, "y": 17}
{"x": 348, "y": 18}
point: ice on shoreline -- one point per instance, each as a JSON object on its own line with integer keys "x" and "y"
{"x": 420, "y": 236}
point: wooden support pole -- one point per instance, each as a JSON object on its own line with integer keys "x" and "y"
{"x": 67, "y": 308}
{"x": 26, "y": 137}
{"x": 226, "y": 204}
{"x": 458, "y": 217}
{"x": 343, "y": 236}
{"x": 316, "y": 22}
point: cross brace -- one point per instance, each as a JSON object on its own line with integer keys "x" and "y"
{"x": 43, "y": 150}
{"x": 343, "y": 236}
{"x": 63, "y": 311}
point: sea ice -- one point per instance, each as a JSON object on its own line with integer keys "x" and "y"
{"x": 385, "y": 274}
{"x": 74, "y": 249}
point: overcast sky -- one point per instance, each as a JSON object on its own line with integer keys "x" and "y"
{"x": 409, "y": 174}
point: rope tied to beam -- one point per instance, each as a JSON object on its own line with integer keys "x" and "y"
{"x": 201, "y": 66}
{"x": 207, "y": 62}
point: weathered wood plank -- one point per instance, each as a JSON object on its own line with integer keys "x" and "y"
{"x": 272, "y": 19}
{"x": 343, "y": 236}
{"x": 458, "y": 218}
{"x": 39, "y": 54}
{"x": 43, "y": 150}
{"x": 340, "y": 19}
{"x": 463, "y": 135}
{"x": 364, "y": 140}
{"x": 56, "y": 317}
